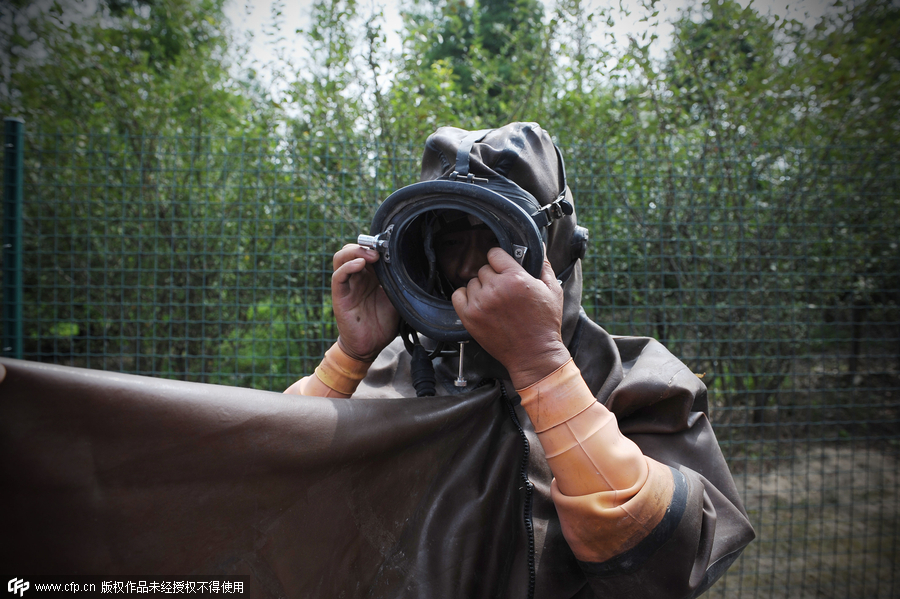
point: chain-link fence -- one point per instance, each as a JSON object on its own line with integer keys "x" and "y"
{"x": 773, "y": 272}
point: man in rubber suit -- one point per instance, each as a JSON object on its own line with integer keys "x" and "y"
{"x": 551, "y": 460}
{"x": 623, "y": 490}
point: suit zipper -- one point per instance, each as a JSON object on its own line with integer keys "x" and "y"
{"x": 529, "y": 491}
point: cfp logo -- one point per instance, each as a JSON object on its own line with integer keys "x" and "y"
{"x": 17, "y": 585}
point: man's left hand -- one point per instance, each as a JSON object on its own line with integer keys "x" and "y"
{"x": 515, "y": 317}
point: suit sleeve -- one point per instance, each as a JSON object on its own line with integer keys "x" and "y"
{"x": 634, "y": 508}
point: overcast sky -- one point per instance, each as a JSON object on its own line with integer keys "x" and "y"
{"x": 254, "y": 17}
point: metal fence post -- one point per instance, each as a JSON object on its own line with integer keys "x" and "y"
{"x": 13, "y": 142}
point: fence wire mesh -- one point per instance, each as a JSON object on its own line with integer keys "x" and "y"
{"x": 773, "y": 272}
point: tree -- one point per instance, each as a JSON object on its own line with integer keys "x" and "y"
{"x": 158, "y": 65}
{"x": 325, "y": 96}
{"x": 846, "y": 92}
{"x": 482, "y": 64}
{"x": 721, "y": 72}
{"x": 131, "y": 113}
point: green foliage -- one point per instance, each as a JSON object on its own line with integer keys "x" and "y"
{"x": 718, "y": 71}
{"x": 472, "y": 65}
{"x": 152, "y": 270}
{"x": 155, "y": 66}
{"x": 847, "y": 77}
{"x": 324, "y": 98}
{"x": 694, "y": 171}
{"x": 275, "y": 345}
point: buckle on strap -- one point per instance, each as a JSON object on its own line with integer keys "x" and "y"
{"x": 470, "y": 178}
{"x": 553, "y": 211}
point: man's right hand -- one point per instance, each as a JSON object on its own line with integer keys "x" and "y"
{"x": 366, "y": 319}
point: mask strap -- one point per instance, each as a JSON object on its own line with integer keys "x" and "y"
{"x": 465, "y": 146}
{"x": 563, "y": 183}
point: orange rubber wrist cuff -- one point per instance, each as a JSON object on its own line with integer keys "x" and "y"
{"x": 341, "y": 372}
{"x": 581, "y": 439}
{"x": 556, "y": 398}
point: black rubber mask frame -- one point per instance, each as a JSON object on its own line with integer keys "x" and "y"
{"x": 402, "y": 269}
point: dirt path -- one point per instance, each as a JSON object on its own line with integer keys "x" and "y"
{"x": 827, "y": 527}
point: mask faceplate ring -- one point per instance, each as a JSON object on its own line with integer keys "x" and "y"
{"x": 403, "y": 212}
